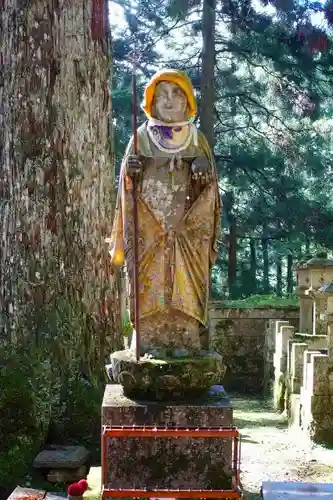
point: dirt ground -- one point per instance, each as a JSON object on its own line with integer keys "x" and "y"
{"x": 272, "y": 451}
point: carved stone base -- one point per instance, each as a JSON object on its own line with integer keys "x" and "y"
{"x": 167, "y": 463}
{"x": 166, "y": 379}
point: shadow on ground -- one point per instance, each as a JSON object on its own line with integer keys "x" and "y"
{"x": 250, "y": 413}
{"x": 251, "y": 496}
{"x": 259, "y": 421}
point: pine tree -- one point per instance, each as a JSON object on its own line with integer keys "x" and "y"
{"x": 263, "y": 89}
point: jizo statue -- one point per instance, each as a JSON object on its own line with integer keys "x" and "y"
{"x": 178, "y": 208}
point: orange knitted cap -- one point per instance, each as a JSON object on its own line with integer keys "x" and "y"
{"x": 169, "y": 75}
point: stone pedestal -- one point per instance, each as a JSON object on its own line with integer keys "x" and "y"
{"x": 167, "y": 463}
{"x": 162, "y": 378}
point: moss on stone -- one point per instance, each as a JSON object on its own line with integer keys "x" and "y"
{"x": 280, "y": 392}
{"x": 170, "y": 463}
{"x": 322, "y": 418}
{"x": 263, "y": 302}
{"x": 166, "y": 379}
{"x": 217, "y": 478}
{"x": 287, "y": 396}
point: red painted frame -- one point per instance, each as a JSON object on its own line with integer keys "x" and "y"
{"x": 175, "y": 432}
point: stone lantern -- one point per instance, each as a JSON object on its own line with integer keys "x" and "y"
{"x": 326, "y": 291}
{"x": 310, "y": 277}
{"x": 320, "y": 271}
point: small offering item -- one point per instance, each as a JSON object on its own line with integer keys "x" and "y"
{"x": 75, "y": 491}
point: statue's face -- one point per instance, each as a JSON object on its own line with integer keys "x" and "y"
{"x": 170, "y": 103}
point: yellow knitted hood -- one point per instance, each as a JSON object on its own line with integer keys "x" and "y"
{"x": 174, "y": 76}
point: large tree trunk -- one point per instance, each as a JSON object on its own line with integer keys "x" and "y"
{"x": 56, "y": 178}
{"x": 207, "y": 86}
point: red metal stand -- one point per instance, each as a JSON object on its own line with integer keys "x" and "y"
{"x": 175, "y": 432}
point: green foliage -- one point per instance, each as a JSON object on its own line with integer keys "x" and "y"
{"x": 127, "y": 323}
{"x": 40, "y": 402}
{"x": 47, "y": 390}
{"x": 263, "y": 301}
{"x": 81, "y": 416}
{"x": 20, "y": 422}
{"x": 15, "y": 458}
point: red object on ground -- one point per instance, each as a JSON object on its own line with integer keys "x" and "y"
{"x": 84, "y": 484}
{"x": 77, "y": 489}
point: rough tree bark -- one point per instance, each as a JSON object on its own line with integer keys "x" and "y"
{"x": 56, "y": 177}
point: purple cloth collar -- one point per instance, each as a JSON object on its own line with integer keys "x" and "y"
{"x": 166, "y": 132}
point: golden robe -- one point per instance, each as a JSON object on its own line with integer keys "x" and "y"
{"x": 179, "y": 223}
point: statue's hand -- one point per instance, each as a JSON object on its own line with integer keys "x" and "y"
{"x": 134, "y": 165}
{"x": 201, "y": 169}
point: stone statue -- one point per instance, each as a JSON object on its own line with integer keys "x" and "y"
{"x": 179, "y": 218}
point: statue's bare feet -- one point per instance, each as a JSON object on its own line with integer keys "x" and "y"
{"x": 201, "y": 170}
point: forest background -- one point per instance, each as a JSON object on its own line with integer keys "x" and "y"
{"x": 263, "y": 72}
{"x": 268, "y": 118}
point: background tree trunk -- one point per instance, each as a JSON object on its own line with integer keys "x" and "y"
{"x": 278, "y": 276}
{"x": 232, "y": 257}
{"x": 290, "y": 284}
{"x": 253, "y": 266}
{"x": 207, "y": 86}
{"x": 264, "y": 245}
{"x": 57, "y": 179}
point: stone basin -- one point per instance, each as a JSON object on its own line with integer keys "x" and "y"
{"x": 166, "y": 379}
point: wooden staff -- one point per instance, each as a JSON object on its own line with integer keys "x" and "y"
{"x": 135, "y": 217}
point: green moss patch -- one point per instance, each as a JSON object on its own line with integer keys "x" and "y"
{"x": 166, "y": 379}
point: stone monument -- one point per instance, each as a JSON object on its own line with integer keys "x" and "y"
{"x": 311, "y": 275}
{"x": 317, "y": 390}
{"x": 173, "y": 380}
